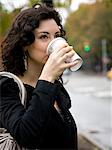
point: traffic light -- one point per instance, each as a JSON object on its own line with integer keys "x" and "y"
{"x": 87, "y": 47}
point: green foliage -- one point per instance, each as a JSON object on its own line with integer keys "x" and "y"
{"x": 62, "y": 4}
{"x": 56, "y": 3}
{"x": 2, "y": 9}
{"x": 32, "y": 2}
{"x": 6, "y": 17}
{"x": 5, "y": 21}
{"x": 91, "y": 23}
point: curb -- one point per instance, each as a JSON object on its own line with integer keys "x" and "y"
{"x": 96, "y": 145}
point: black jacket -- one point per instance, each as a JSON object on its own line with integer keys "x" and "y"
{"x": 39, "y": 125}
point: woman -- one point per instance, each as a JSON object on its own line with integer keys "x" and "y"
{"x": 46, "y": 123}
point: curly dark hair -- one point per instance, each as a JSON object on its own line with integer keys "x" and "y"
{"x": 21, "y": 35}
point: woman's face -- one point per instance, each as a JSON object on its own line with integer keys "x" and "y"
{"x": 47, "y": 31}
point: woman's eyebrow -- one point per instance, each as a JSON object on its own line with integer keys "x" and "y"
{"x": 57, "y": 32}
{"x": 43, "y": 32}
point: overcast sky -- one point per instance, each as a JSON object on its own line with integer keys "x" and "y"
{"x": 76, "y": 3}
{"x": 11, "y": 4}
{"x": 18, "y": 3}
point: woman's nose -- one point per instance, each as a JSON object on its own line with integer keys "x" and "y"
{"x": 52, "y": 37}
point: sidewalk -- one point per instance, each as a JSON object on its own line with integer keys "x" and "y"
{"x": 85, "y": 144}
{"x": 91, "y": 103}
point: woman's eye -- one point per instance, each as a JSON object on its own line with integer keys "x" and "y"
{"x": 57, "y": 35}
{"x": 43, "y": 37}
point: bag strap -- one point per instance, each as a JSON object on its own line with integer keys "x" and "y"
{"x": 22, "y": 90}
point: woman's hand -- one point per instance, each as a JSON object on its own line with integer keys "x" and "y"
{"x": 56, "y": 63}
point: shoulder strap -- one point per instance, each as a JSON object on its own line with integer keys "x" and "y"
{"x": 19, "y": 83}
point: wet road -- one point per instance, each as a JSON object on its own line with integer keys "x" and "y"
{"x": 92, "y": 106}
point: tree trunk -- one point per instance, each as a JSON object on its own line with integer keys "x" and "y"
{"x": 48, "y": 2}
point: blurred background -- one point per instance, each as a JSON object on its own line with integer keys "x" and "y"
{"x": 88, "y": 24}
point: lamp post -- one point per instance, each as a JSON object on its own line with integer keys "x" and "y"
{"x": 104, "y": 55}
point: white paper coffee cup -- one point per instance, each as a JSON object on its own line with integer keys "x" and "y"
{"x": 55, "y": 45}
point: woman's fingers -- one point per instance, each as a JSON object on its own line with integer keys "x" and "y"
{"x": 58, "y": 62}
{"x": 65, "y": 49}
{"x": 66, "y": 57}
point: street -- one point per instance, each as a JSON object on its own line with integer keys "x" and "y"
{"x": 91, "y": 96}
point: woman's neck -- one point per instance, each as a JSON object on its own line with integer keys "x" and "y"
{"x": 31, "y": 75}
